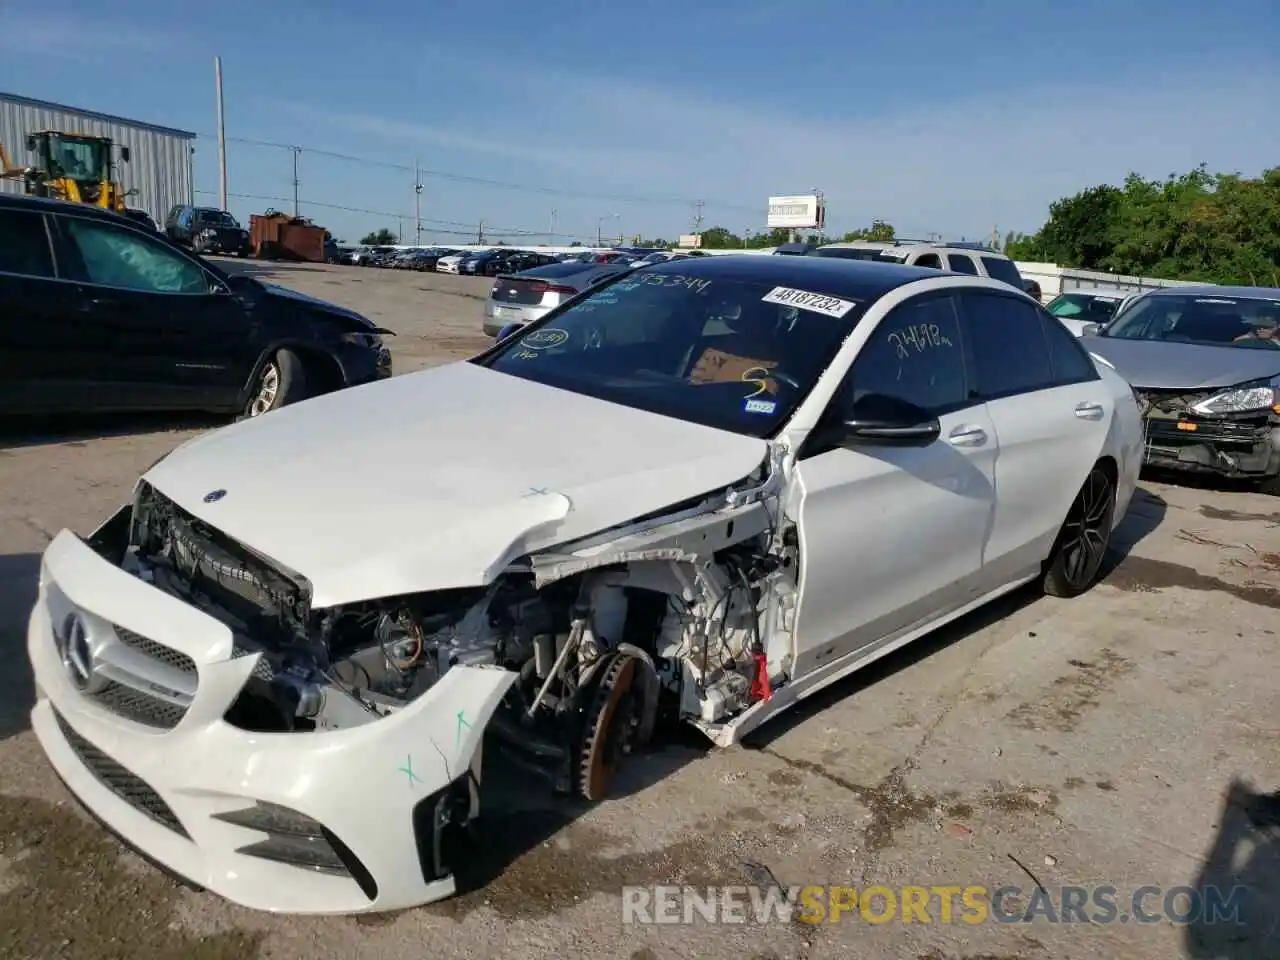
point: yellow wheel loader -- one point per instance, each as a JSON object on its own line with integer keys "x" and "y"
{"x": 69, "y": 166}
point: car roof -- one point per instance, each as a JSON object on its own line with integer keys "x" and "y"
{"x": 49, "y": 205}
{"x": 1208, "y": 290}
{"x": 900, "y": 245}
{"x": 859, "y": 279}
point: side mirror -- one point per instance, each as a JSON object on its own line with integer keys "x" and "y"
{"x": 31, "y": 144}
{"x": 124, "y": 154}
{"x": 1090, "y": 329}
{"x": 880, "y": 420}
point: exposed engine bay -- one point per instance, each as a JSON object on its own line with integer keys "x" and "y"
{"x": 685, "y": 615}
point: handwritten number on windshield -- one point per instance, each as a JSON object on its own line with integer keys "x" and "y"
{"x": 674, "y": 280}
{"x": 920, "y": 336}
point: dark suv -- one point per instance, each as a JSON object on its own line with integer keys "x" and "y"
{"x": 101, "y": 314}
{"x": 207, "y": 230}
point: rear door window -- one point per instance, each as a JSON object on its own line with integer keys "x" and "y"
{"x": 1007, "y": 343}
{"x": 961, "y": 263}
{"x": 998, "y": 268}
{"x": 1071, "y": 362}
{"x": 24, "y": 244}
{"x": 931, "y": 260}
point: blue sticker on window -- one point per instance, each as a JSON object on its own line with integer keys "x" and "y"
{"x": 760, "y": 406}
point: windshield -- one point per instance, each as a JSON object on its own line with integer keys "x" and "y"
{"x": 855, "y": 253}
{"x": 78, "y": 158}
{"x": 1087, "y": 306}
{"x": 216, "y": 218}
{"x": 722, "y": 353}
{"x": 1222, "y": 321}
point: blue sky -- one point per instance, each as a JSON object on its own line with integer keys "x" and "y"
{"x": 952, "y": 117}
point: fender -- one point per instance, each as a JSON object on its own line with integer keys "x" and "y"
{"x": 291, "y": 343}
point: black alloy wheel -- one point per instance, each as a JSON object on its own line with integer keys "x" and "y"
{"x": 1082, "y": 545}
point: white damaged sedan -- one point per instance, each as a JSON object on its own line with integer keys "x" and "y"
{"x": 704, "y": 490}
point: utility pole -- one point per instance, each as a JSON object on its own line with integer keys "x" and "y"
{"x": 480, "y": 235}
{"x": 417, "y": 204}
{"x": 599, "y": 228}
{"x": 697, "y": 216}
{"x": 551, "y": 236}
{"x": 995, "y": 237}
{"x": 296, "y": 151}
{"x": 222, "y": 136}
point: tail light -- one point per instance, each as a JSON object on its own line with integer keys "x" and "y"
{"x": 541, "y": 287}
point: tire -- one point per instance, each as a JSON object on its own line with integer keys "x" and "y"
{"x": 1081, "y": 548}
{"x": 281, "y": 381}
{"x": 1270, "y": 486}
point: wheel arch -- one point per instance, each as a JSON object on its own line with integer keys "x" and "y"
{"x": 317, "y": 361}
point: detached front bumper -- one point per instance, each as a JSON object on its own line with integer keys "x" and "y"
{"x": 1238, "y": 448}
{"x": 345, "y": 821}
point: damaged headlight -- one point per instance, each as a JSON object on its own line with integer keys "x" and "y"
{"x": 1262, "y": 395}
{"x": 363, "y": 339}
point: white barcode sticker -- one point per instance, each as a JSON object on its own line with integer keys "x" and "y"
{"x": 804, "y": 300}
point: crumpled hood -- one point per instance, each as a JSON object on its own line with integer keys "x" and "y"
{"x": 1160, "y": 365}
{"x": 438, "y": 479}
{"x": 275, "y": 290}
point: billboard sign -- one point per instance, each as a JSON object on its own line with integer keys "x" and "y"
{"x": 797, "y": 213}
{"x": 690, "y": 241}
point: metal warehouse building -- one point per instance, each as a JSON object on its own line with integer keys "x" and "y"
{"x": 159, "y": 166}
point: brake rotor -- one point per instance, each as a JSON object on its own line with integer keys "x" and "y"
{"x": 609, "y": 724}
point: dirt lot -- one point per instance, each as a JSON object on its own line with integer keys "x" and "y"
{"x": 1065, "y": 743}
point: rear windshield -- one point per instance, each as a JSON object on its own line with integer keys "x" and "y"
{"x": 998, "y": 268}
{"x": 1223, "y": 321}
{"x": 713, "y": 351}
{"x": 562, "y": 269}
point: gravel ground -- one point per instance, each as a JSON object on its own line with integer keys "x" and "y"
{"x": 1064, "y": 743}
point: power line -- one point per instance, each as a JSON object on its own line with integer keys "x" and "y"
{"x": 469, "y": 231}
{"x": 484, "y": 181}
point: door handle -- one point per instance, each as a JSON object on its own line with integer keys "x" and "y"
{"x": 1089, "y": 411}
{"x": 967, "y": 436}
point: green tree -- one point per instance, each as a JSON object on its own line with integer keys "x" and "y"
{"x": 719, "y": 238}
{"x": 379, "y": 238}
{"x": 879, "y": 230}
{"x": 1221, "y": 228}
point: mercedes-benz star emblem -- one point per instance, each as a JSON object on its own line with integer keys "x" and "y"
{"x": 77, "y": 657}
{"x": 213, "y": 496}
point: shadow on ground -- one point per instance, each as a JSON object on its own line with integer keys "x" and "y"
{"x": 1239, "y": 884}
{"x": 76, "y": 428}
{"x": 19, "y": 573}
{"x": 1146, "y": 512}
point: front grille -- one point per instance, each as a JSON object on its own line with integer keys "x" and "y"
{"x": 156, "y": 651}
{"x": 262, "y": 669}
{"x": 140, "y": 707}
{"x": 129, "y": 788}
